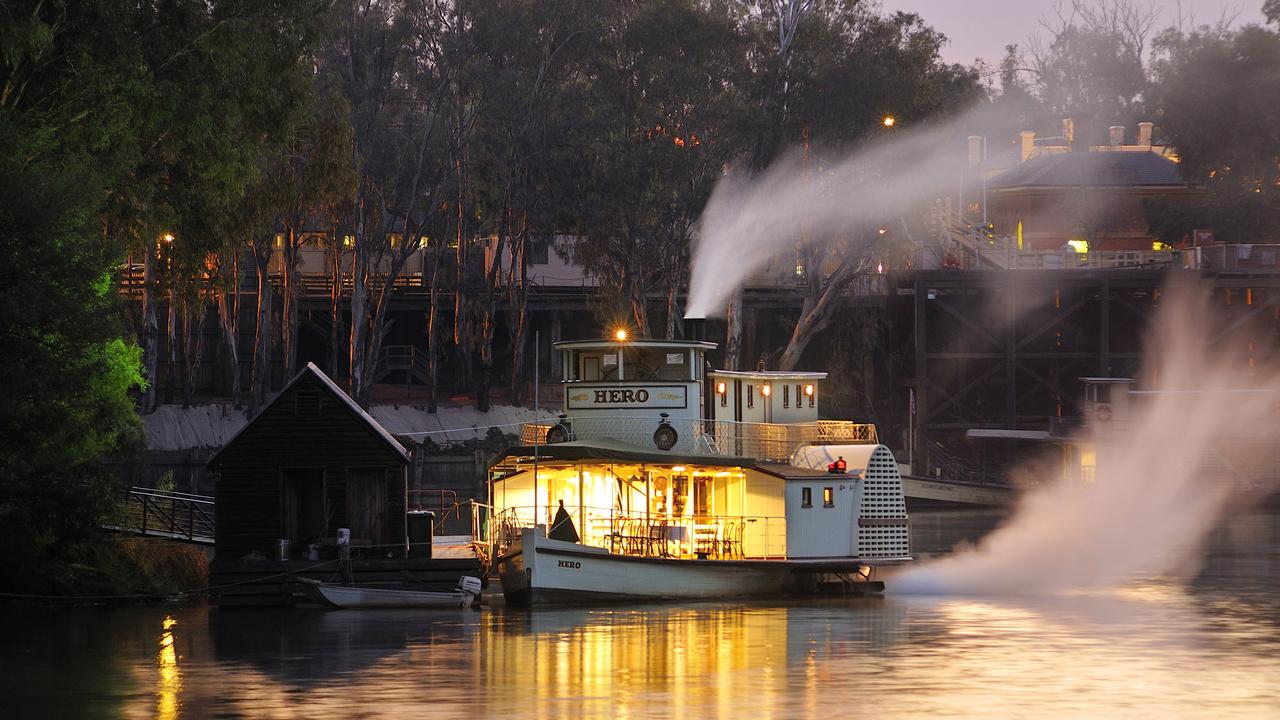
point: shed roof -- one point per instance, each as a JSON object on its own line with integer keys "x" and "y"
{"x": 1091, "y": 169}
{"x": 338, "y": 393}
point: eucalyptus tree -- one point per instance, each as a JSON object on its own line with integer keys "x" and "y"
{"x": 1217, "y": 95}
{"x": 661, "y": 124}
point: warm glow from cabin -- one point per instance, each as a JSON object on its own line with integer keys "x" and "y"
{"x": 766, "y": 390}
{"x": 620, "y": 334}
{"x": 721, "y": 388}
{"x": 1080, "y": 246}
{"x": 808, "y": 390}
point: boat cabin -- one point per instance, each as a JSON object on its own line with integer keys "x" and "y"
{"x": 635, "y": 501}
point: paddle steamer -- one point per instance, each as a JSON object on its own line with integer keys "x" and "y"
{"x": 664, "y": 479}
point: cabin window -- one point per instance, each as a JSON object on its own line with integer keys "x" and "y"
{"x": 786, "y": 396}
{"x": 799, "y": 395}
{"x": 828, "y": 497}
{"x": 751, "y": 395}
{"x": 806, "y": 497}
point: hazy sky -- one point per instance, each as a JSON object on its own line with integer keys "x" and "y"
{"x": 981, "y": 28}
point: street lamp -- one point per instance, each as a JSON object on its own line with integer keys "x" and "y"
{"x": 889, "y": 121}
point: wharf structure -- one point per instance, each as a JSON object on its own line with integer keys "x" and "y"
{"x": 1006, "y": 297}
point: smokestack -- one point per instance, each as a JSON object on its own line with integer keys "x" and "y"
{"x": 1117, "y": 135}
{"x": 1069, "y": 132}
{"x": 695, "y": 328}
{"x": 1145, "y": 132}
{"x": 977, "y": 150}
{"x": 1028, "y": 145}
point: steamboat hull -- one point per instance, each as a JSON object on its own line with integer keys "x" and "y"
{"x": 539, "y": 571}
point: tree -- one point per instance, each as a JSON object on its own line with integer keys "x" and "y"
{"x": 1217, "y": 93}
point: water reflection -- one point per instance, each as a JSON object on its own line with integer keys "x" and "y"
{"x": 1154, "y": 649}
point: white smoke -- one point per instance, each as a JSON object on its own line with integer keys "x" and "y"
{"x": 1161, "y": 477}
{"x": 748, "y": 222}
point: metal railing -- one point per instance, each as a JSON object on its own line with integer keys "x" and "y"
{"x": 653, "y": 535}
{"x": 156, "y": 513}
{"x": 724, "y": 438}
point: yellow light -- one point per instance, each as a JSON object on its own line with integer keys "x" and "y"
{"x": 720, "y": 388}
{"x": 808, "y": 390}
{"x": 889, "y": 121}
{"x": 1158, "y": 246}
{"x": 1080, "y": 246}
{"x": 620, "y": 335}
{"x": 1019, "y": 234}
{"x": 765, "y": 390}
{"x": 677, "y": 468}
{"x": 168, "y": 237}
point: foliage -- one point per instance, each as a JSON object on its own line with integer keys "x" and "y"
{"x": 1217, "y": 94}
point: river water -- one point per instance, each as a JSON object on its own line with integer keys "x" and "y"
{"x": 1150, "y": 650}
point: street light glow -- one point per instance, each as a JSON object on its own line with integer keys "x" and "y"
{"x": 889, "y": 121}
{"x": 620, "y": 334}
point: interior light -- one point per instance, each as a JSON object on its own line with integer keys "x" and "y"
{"x": 766, "y": 390}
{"x": 721, "y": 387}
{"x": 808, "y": 390}
{"x": 620, "y": 334}
{"x": 677, "y": 468}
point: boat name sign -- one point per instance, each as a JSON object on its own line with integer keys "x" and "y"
{"x": 660, "y": 396}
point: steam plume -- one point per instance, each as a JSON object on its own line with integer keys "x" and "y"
{"x": 1160, "y": 486}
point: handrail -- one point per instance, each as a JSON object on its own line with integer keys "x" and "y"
{"x": 637, "y": 534}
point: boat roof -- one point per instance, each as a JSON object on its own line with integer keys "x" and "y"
{"x": 637, "y": 342}
{"x": 795, "y": 472}
{"x": 1001, "y": 434}
{"x": 770, "y": 374}
{"x": 614, "y": 450}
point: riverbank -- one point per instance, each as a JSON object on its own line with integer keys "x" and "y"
{"x": 107, "y": 568}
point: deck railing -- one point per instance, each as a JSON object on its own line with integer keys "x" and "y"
{"x": 724, "y": 438}
{"x": 651, "y": 534}
{"x": 157, "y": 513}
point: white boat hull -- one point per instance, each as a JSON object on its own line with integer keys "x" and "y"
{"x": 538, "y": 570}
{"x": 936, "y": 490}
{"x": 345, "y": 596}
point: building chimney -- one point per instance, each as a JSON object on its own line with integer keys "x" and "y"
{"x": 977, "y": 150}
{"x": 1028, "y": 145}
{"x": 1145, "y": 132}
{"x": 1117, "y": 135}
{"x": 1069, "y": 132}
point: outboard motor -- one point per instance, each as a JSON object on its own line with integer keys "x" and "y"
{"x": 470, "y": 586}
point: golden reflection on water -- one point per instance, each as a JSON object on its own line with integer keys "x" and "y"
{"x": 169, "y": 683}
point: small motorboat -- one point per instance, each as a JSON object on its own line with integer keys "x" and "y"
{"x": 466, "y": 594}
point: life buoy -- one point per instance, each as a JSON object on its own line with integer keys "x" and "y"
{"x": 1102, "y": 412}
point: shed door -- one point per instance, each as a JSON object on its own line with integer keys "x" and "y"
{"x": 366, "y": 504}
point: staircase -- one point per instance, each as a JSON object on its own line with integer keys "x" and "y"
{"x": 402, "y": 358}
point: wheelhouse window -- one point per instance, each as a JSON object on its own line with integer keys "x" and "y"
{"x": 828, "y": 497}
{"x": 786, "y": 396}
{"x": 806, "y": 497}
{"x": 751, "y": 395}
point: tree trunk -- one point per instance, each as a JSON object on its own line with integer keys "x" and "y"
{"x": 150, "y": 331}
{"x": 359, "y": 310}
{"x": 228, "y": 323}
{"x": 433, "y": 332}
{"x": 171, "y": 344}
{"x": 290, "y": 334}
{"x": 519, "y": 305}
{"x": 814, "y": 316}
{"x": 193, "y": 331}
{"x": 335, "y": 305}
{"x": 261, "y": 376}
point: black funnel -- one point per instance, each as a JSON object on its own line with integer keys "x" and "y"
{"x": 695, "y": 328}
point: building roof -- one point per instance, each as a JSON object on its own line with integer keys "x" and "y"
{"x": 1091, "y": 169}
{"x": 613, "y": 450}
{"x": 607, "y": 344}
{"x": 311, "y": 370}
{"x": 770, "y": 374}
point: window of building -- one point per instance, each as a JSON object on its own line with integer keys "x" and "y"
{"x": 538, "y": 251}
{"x": 806, "y": 497}
{"x": 828, "y": 497}
{"x": 786, "y": 396}
{"x": 751, "y": 396}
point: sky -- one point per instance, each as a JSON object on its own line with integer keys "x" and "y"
{"x": 981, "y": 28}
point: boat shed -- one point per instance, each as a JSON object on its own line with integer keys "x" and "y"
{"x": 310, "y": 462}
